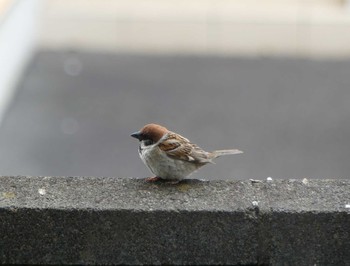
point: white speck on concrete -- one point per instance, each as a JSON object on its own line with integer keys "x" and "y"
{"x": 41, "y": 191}
{"x": 347, "y": 206}
{"x": 255, "y": 203}
{"x": 269, "y": 179}
{"x": 305, "y": 181}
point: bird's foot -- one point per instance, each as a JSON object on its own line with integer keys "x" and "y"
{"x": 153, "y": 179}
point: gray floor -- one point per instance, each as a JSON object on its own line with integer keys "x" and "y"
{"x": 74, "y": 112}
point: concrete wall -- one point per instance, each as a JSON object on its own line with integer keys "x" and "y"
{"x": 90, "y": 220}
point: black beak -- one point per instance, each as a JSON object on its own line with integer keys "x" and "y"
{"x": 136, "y": 135}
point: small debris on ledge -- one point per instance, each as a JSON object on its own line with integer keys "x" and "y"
{"x": 255, "y": 181}
{"x": 255, "y": 203}
{"x": 41, "y": 191}
{"x": 305, "y": 181}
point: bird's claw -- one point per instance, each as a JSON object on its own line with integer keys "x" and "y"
{"x": 153, "y": 179}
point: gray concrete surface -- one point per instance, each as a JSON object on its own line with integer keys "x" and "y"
{"x": 106, "y": 220}
{"x": 74, "y": 112}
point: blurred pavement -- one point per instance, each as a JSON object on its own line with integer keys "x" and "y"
{"x": 74, "y": 112}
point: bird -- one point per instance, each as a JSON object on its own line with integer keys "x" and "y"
{"x": 170, "y": 156}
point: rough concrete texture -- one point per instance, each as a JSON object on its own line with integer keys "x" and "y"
{"x": 104, "y": 220}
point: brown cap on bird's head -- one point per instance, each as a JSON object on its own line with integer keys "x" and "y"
{"x": 152, "y": 132}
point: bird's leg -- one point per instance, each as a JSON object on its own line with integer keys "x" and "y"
{"x": 153, "y": 179}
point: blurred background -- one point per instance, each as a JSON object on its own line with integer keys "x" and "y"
{"x": 269, "y": 77}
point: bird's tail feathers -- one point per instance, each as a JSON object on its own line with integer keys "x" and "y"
{"x": 219, "y": 153}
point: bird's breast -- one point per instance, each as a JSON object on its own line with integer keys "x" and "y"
{"x": 164, "y": 166}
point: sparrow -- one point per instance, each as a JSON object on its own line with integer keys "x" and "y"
{"x": 171, "y": 156}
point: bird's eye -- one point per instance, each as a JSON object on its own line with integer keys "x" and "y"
{"x": 148, "y": 142}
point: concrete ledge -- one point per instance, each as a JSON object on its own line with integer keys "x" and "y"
{"x": 90, "y": 220}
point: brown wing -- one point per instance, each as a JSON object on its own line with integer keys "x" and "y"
{"x": 180, "y": 148}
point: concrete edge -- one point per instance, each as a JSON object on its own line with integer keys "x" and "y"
{"x": 106, "y": 220}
